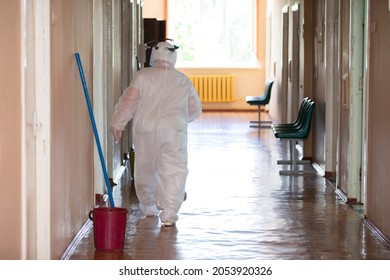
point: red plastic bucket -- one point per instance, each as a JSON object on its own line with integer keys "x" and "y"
{"x": 109, "y": 228}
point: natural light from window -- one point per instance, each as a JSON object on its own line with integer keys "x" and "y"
{"x": 213, "y": 33}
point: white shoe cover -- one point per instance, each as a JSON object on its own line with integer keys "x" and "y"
{"x": 149, "y": 210}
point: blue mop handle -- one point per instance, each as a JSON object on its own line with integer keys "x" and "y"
{"x": 95, "y": 129}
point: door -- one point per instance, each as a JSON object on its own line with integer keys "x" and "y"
{"x": 99, "y": 83}
{"x": 114, "y": 60}
{"x": 127, "y": 73}
{"x": 355, "y": 192}
{"x": 293, "y": 101}
{"x": 319, "y": 83}
{"x": 377, "y": 208}
{"x": 331, "y": 88}
{"x": 285, "y": 62}
{"x": 351, "y": 130}
{"x": 343, "y": 170}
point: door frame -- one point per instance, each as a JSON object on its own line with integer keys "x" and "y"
{"x": 37, "y": 116}
{"x": 285, "y": 63}
{"x": 293, "y": 101}
{"x": 331, "y": 88}
{"x": 353, "y": 191}
{"x": 99, "y": 84}
{"x": 356, "y": 105}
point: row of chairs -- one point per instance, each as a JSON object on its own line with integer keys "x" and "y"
{"x": 292, "y": 132}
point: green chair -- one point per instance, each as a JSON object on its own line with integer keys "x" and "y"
{"x": 297, "y": 133}
{"x": 298, "y": 121}
{"x": 260, "y": 101}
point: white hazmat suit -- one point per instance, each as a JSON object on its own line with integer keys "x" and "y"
{"x": 161, "y": 101}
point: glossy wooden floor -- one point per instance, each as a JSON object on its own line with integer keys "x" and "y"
{"x": 239, "y": 207}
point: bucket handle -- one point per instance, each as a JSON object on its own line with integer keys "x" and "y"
{"x": 90, "y": 215}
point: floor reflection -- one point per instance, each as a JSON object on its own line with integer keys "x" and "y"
{"x": 239, "y": 207}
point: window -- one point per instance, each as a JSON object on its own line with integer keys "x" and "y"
{"x": 213, "y": 33}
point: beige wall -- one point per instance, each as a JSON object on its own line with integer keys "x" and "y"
{"x": 378, "y": 133}
{"x": 155, "y": 9}
{"x": 10, "y": 130}
{"x": 28, "y": 232}
{"x": 72, "y": 137}
{"x": 248, "y": 82}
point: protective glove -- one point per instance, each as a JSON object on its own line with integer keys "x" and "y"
{"x": 117, "y": 134}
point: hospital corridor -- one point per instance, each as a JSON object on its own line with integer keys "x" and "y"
{"x": 195, "y": 76}
{"x": 239, "y": 207}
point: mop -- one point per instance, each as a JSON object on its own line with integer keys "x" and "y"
{"x": 109, "y": 191}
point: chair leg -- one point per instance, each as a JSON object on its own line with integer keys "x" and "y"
{"x": 294, "y": 161}
{"x": 259, "y": 122}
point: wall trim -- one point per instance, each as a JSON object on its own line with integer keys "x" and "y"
{"x": 385, "y": 240}
{"x": 76, "y": 241}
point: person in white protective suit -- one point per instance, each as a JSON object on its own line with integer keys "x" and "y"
{"x": 161, "y": 101}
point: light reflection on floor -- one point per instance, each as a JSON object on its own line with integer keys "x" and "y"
{"x": 239, "y": 207}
